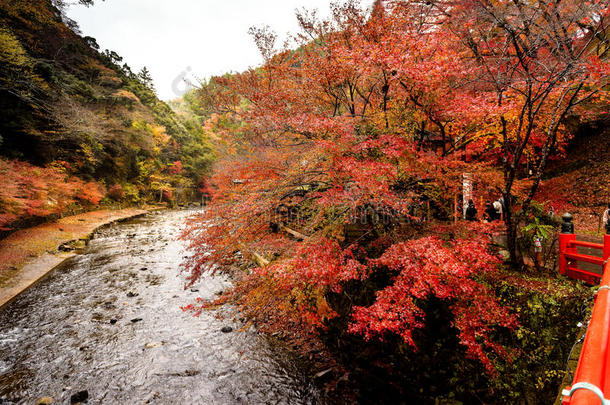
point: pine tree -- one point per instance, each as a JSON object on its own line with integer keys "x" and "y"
{"x": 146, "y": 78}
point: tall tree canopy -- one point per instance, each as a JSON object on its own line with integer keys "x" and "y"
{"x": 343, "y": 130}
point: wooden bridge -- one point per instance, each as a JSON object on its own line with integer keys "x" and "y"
{"x": 591, "y": 383}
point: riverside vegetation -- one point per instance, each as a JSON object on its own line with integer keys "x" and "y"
{"x": 333, "y": 172}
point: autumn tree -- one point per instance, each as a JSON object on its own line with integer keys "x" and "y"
{"x": 317, "y": 139}
{"x": 331, "y": 136}
{"x": 533, "y": 63}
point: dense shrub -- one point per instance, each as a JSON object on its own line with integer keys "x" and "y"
{"x": 116, "y": 192}
{"x": 30, "y": 191}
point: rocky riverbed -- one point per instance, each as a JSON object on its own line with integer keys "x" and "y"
{"x": 106, "y": 327}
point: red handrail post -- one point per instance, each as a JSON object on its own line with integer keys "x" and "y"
{"x": 606, "y": 254}
{"x": 565, "y": 237}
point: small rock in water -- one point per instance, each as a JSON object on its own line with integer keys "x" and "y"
{"x": 151, "y": 345}
{"x": 132, "y": 294}
{"x": 187, "y": 373}
{"x": 45, "y": 401}
{"x": 113, "y": 321}
{"x": 226, "y": 329}
{"x": 80, "y": 396}
{"x": 134, "y": 320}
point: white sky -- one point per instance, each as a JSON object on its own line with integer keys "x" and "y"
{"x": 188, "y": 38}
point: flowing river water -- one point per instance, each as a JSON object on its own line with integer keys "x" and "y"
{"x": 109, "y": 322}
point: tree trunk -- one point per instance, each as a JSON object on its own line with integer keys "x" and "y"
{"x": 511, "y": 229}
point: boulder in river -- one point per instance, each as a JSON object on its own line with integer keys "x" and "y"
{"x": 66, "y": 247}
{"x": 226, "y": 329}
{"x": 79, "y": 397}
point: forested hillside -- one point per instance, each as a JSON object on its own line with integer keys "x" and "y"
{"x": 384, "y": 190}
{"x": 78, "y": 127}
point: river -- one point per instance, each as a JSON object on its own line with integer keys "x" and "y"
{"x": 109, "y": 322}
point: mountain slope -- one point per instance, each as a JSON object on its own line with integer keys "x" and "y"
{"x": 85, "y": 118}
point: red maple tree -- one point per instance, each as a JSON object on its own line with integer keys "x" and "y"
{"x": 381, "y": 113}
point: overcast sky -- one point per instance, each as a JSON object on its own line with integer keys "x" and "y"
{"x": 188, "y": 38}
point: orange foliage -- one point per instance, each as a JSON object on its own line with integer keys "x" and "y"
{"x": 91, "y": 193}
{"x": 31, "y": 191}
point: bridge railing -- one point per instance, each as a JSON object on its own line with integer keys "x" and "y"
{"x": 591, "y": 384}
{"x": 569, "y": 256}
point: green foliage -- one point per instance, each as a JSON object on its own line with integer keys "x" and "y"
{"x": 537, "y": 229}
{"x": 132, "y": 194}
{"x": 549, "y": 311}
{"x": 540, "y": 225}
{"x": 62, "y": 99}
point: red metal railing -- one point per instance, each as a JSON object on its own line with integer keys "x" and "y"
{"x": 591, "y": 384}
{"x": 569, "y": 256}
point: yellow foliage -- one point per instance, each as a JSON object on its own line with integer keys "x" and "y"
{"x": 125, "y": 95}
{"x": 12, "y": 53}
{"x": 158, "y": 132}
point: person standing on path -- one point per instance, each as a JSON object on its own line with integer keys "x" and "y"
{"x": 490, "y": 213}
{"x": 471, "y": 211}
{"x": 499, "y": 209}
{"x": 606, "y": 218}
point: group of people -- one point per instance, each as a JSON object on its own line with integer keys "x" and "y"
{"x": 493, "y": 211}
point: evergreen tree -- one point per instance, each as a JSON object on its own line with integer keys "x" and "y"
{"x": 146, "y": 78}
